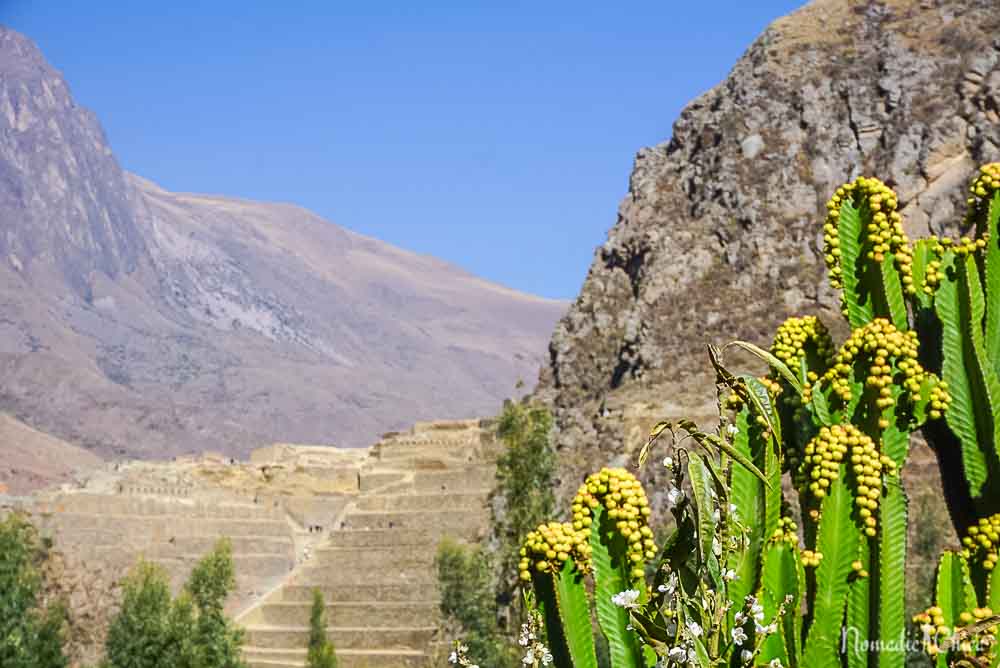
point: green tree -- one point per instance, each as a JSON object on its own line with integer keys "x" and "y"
{"x": 321, "y": 650}
{"x": 525, "y": 473}
{"x": 466, "y": 579}
{"x": 30, "y": 636}
{"x": 154, "y": 630}
{"x": 140, "y": 635}
{"x": 218, "y": 640}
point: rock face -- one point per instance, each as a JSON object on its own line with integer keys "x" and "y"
{"x": 719, "y": 237}
{"x": 138, "y": 322}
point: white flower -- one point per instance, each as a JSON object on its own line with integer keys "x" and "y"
{"x": 626, "y": 599}
{"x": 732, "y": 430}
{"x": 739, "y": 636}
{"x": 677, "y": 654}
{"x": 766, "y": 630}
{"x": 716, "y": 516}
{"x": 694, "y": 629}
{"x": 668, "y": 462}
{"x": 546, "y": 658}
{"x": 746, "y": 655}
{"x": 453, "y": 657}
{"x": 757, "y": 610}
{"x": 674, "y": 496}
{"x": 775, "y": 663}
{"x": 662, "y": 589}
{"x": 740, "y": 617}
{"x": 730, "y": 575}
{"x": 529, "y": 658}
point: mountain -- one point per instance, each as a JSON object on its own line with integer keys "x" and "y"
{"x": 139, "y": 322}
{"x": 719, "y": 236}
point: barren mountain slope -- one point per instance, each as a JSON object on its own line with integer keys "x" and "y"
{"x": 719, "y": 236}
{"x": 138, "y": 322}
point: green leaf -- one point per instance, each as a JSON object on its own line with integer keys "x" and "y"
{"x": 993, "y": 590}
{"x": 782, "y": 577}
{"x": 859, "y": 612}
{"x": 701, "y": 496}
{"x": 611, "y": 576}
{"x": 893, "y": 292}
{"x": 892, "y": 569}
{"x": 918, "y": 268}
{"x": 986, "y": 380}
{"x": 574, "y": 612}
{"x": 953, "y": 587}
{"x": 850, "y": 232}
{"x": 760, "y": 398}
{"x": 963, "y": 416}
{"x": 820, "y": 406}
{"x": 771, "y": 360}
{"x": 545, "y": 594}
{"x": 747, "y": 492}
{"x": 992, "y": 277}
{"x": 838, "y": 541}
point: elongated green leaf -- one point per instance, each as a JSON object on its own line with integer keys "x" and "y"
{"x": 859, "y": 613}
{"x": 892, "y": 569}
{"x": 850, "y": 231}
{"x": 987, "y": 399}
{"x": 820, "y": 406}
{"x": 611, "y": 576}
{"x": 780, "y": 579}
{"x": 956, "y": 349}
{"x": 772, "y": 361}
{"x": 838, "y": 541}
{"x": 892, "y": 288}
{"x": 545, "y": 594}
{"x": 701, "y": 496}
{"x": 760, "y": 399}
{"x": 993, "y": 590}
{"x": 748, "y": 497}
{"x": 574, "y": 612}
{"x": 954, "y": 587}
{"x": 992, "y": 276}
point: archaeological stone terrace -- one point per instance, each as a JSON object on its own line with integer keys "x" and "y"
{"x": 362, "y": 525}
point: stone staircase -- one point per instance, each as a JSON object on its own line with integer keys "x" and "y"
{"x": 375, "y": 568}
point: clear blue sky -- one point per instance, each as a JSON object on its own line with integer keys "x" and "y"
{"x": 496, "y": 135}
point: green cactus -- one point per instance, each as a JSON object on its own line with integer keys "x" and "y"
{"x": 610, "y": 539}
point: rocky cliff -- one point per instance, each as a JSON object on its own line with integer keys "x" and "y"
{"x": 719, "y": 235}
{"x": 139, "y": 322}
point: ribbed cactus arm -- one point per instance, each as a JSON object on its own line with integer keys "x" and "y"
{"x": 867, "y": 252}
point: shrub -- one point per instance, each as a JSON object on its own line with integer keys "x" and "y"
{"x": 30, "y": 636}
{"x": 321, "y": 651}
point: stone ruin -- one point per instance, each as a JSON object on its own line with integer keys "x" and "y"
{"x": 362, "y": 525}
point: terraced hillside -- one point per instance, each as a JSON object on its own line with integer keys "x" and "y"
{"x": 375, "y": 567}
{"x": 362, "y": 525}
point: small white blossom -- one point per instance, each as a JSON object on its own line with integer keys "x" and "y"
{"x": 626, "y": 599}
{"x": 453, "y": 657}
{"x": 730, "y": 576}
{"x": 739, "y": 636}
{"x": 694, "y": 629}
{"x": 716, "y": 516}
{"x": 662, "y": 589}
{"x": 529, "y": 658}
{"x": 674, "y": 496}
{"x": 757, "y": 610}
{"x": 546, "y": 658}
{"x": 677, "y": 654}
{"x": 746, "y": 655}
{"x": 668, "y": 462}
{"x": 740, "y": 617}
{"x": 775, "y": 663}
{"x": 732, "y": 430}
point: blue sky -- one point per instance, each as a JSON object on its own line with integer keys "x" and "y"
{"x": 498, "y": 136}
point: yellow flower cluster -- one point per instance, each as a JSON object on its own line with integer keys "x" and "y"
{"x": 932, "y": 624}
{"x": 811, "y": 559}
{"x": 626, "y": 504}
{"x": 982, "y": 188}
{"x": 787, "y": 531}
{"x": 962, "y": 247}
{"x": 797, "y": 338}
{"x": 881, "y": 346}
{"x": 859, "y": 569}
{"x": 821, "y": 466}
{"x": 884, "y": 234}
{"x": 549, "y": 546}
{"x": 983, "y": 541}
